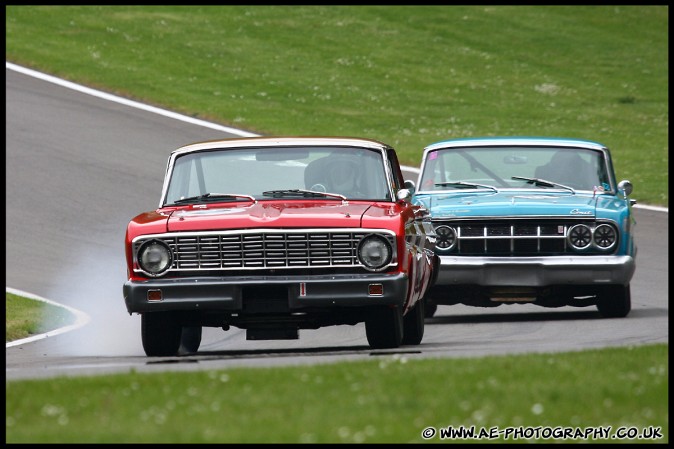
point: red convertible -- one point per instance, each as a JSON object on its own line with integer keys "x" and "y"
{"x": 277, "y": 234}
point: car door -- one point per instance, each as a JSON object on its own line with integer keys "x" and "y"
{"x": 419, "y": 237}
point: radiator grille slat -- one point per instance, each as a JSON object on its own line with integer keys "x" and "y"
{"x": 511, "y": 237}
{"x": 231, "y": 250}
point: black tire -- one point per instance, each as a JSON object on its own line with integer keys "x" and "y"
{"x": 430, "y": 310}
{"x": 384, "y": 328}
{"x": 161, "y": 333}
{"x": 432, "y": 307}
{"x": 413, "y": 324}
{"x": 615, "y": 301}
{"x": 190, "y": 340}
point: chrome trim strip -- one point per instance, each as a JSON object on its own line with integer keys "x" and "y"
{"x": 271, "y": 143}
{"x": 523, "y": 142}
{"x": 535, "y": 271}
{"x": 534, "y": 193}
{"x": 511, "y": 231}
{"x": 267, "y": 248}
{"x": 446, "y": 219}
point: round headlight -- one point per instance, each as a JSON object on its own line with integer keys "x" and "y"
{"x": 374, "y": 252}
{"x": 605, "y": 236}
{"x": 154, "y": 257}
{"x": 445, "y": 237}
{"x": 580, "y": 236}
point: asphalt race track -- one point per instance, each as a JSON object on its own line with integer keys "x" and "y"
{"x": 79, "y": 167}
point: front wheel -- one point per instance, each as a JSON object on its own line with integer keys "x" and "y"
{"x": 190, "y": 340}
{"x": 384, "y": 328}
{"x": 161, "y": 333}
{"x": 615, "y": 301}
{"x": 413, "y": 324}
{"x": 430, "y": 310}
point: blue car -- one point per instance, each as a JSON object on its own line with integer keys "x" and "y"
{"x": 528, "y": 220}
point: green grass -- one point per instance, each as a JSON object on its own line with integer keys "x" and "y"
{"x": 406, "y": 75}
{"x": 386, "y": 400}
{"x": 25, "y": 317}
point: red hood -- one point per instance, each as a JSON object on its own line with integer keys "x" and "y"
{"x": 278, "y": 214}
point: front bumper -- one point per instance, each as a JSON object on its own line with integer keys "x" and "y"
{"x": 536, "y": 271}
{"x": 228, "y": 293}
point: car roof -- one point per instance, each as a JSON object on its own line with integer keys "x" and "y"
{"x": 509, "y": 141}
{"x": 283, "y": 141}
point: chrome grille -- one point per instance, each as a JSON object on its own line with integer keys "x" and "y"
{"x": 514, "y": 237}
{"x": 265, "y": 249}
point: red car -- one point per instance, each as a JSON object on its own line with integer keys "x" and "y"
{"x": 273, "y": 235}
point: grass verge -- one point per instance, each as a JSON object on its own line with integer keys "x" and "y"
{"x": 25, "y": 317}
{"x": 406, "y": 75}
{"x": 386, "y": 400}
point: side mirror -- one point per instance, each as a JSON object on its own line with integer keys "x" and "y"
{"x": 626, "y": 187}
{"x": 404, "y": 195}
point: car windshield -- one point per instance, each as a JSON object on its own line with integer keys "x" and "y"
{"x": 278, "y": 172}
{"x": 515, "y": 167}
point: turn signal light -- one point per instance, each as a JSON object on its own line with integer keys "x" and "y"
{"x": 375, "y": 290}
{"x": 154, "y": 295}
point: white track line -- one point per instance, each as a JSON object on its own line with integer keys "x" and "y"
{"x": 81, "y": 318}
{"x": 184, "y": 118}
{"x": 124, "y": 101}
{"x": 165, "y": 113}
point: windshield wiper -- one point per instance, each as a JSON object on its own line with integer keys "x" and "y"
{"x": 213, "y": 197}
{"x": 543, "y": 183}
{"x": 465, "y": 185}
{"x": 301, "y": 192}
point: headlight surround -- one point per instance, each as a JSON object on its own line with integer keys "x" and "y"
{"x": 605, "y": 236}
{"x": 154, "y": 257}
{"x": 374, "y": 252}
{"x": 580, "y": 236}
{"x": 445, "y": 237}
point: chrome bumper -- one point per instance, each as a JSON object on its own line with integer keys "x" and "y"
{"x": 536, "y": 271}
{"x": 227, "y": 293}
